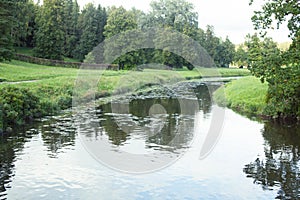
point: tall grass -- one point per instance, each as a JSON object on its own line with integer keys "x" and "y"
{"x": 246, "y": 95}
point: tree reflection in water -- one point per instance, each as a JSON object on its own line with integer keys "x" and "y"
{"x": 280, "y": 167}
{"x": 57, "y": 134}
{"x": 177, "y": 120}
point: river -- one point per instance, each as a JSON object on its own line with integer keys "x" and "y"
{"x": 59, "y": 157}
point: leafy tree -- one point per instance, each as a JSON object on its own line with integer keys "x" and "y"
{"x": 91, "y": 24}
{"x": 222, "y": 52}
{"x": 225, "y": 52}
{"x": 24, "y": 23}
{"x": 241, "y": 56}
{"x": 71, "y": 15}
{"x": 176, "y": 15}
{"x": 280, "y": 69}
{"x": 121, "y": 21}
{"x": 50, "y": 37}
{"x": 7, "y": 23}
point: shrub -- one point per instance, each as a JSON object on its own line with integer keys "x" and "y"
{"x": 17, "y": 106}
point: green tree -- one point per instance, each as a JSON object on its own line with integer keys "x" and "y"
{"x": 24, "y": 23}
{"x": 178, "y": 15}
{"x": 7, "y": 23}
{"x": 71, "y": 15}
{"x": 241, "y": 56}
{"x": 121, "y": 21}
{"x": 50, "y": 36}
{"x": 225, "y": 52}
{"x": 280, "y": 69}
{"x": 91, "y": 25}
{"x": 211, "y": 41}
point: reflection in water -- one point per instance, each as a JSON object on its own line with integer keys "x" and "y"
{"x": 157, "y": 129}
{"x": 57, "y": 133}
{"x": 164, "y": 123}
{"x": 10, "y": 146}
{"x": 281, "y": 166}
{"x": 31, "y": 165}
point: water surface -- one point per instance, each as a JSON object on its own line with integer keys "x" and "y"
{"x": 251, "y": 160}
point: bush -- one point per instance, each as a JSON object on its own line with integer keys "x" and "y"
{"x": 17, "y": 106}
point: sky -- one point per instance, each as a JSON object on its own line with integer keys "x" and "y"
{"x": 230, "y": 18}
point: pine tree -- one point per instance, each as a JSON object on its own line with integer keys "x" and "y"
{"x": 50, "y": 37}
{"x": 24, "y": 23}
{"x": 91, "y": 25}
{"x": 71, "y": 15}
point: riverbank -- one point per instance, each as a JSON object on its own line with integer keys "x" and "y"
{"x": 29, "y": 91}
{"x": 246, "y": 95}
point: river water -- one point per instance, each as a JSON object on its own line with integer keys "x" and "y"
{"x": 54, "y": 158}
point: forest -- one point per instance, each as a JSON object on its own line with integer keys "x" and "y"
{"x": 60, "y": 28}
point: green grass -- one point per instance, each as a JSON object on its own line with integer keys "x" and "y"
{"x": 212, "y": 72}
{"x": 22, "y": 71}
{"x": 54, "y": 87}
{"x": 246, "y": 95}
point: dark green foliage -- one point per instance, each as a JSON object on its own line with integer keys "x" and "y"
{"x": 222, "y": 52}
{"x": 50, "y": 37}
{"x": 119, "y": 22}
{"x": 225, "y": 53}
{"x": 7, "y": 23}
{"x": 280, "y": 69}
{"x": 24, "y": 23}
{"x": 71, "y": 16}
{"x": 91, "y": 25}
{"x": 17, "y": 106}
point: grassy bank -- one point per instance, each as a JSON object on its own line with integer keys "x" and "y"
{"x": 28, "y": 90}
{"x": 246, "y": 95}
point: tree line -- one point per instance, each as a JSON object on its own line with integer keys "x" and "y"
{"x": 59, "y": 28}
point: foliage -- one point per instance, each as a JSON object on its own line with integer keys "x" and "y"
{"x": 225, "y": 52}
{"x": 17, "y": 106}
{"x": 280, "y": 69}
{"x": 7, "y": 23}
{"x": 222, "y": 52}
{"x": 50, "y": 32}
{"x": 71, "y": 29}
{"x": 57, "y": 29}
{"x": 121, "y": 21}
{"x": 176, "y": 15}
{"x": 91, "y": 25}
{"x": 241, "y": 56}
{"x": 24, "y": 23}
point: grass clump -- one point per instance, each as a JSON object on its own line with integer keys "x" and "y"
{"x": 246, "y": 95}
